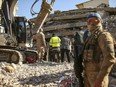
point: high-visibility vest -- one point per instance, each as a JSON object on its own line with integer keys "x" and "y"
{"x": 55, "y": 41}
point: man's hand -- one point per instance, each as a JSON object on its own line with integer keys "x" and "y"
{"x": 97, "y": 83}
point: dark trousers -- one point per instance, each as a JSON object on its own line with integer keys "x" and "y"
{"x": 78, "y": 68}
{"x": 78, "y": 50}
{"x": 50, "y": 55}
{"x": 55, "y": 54}
{"x": 63, "y": 51}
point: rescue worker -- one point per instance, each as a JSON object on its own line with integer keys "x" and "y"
{"x": 65, "y": 48}
{"x": 78, "y": 47}
{"x": 98, "y": 53}
{"x": 55, "y": 48}
{"x": 40, "y": 43}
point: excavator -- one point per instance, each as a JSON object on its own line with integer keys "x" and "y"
{"x": 13, "y": 31}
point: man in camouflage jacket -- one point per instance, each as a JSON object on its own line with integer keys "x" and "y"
{"x": 98, "y": 53}
{"x": 41, "y": 44}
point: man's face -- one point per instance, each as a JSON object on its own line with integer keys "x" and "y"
{"x": 91, "y": 23}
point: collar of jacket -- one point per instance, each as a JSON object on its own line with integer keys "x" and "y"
{"x": 97, "y": 28}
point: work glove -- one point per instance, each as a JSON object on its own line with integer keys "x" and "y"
{"x": 98, "y": 84}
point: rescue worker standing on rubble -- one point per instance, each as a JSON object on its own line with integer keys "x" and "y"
{"x": 98, "y": 53}
{"x": 41, "y": 44}
{"x": 55, "y": 48}
{"x": 65, "y": 48}
{"x": 78, "y": 48}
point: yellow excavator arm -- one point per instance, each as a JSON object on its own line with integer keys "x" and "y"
{"x": 43, "y": 14}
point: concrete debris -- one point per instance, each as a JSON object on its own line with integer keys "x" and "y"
{"x": 9, "y": 69}
{"x": 41, "y": 74}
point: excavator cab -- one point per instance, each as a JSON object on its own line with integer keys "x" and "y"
{"x": 20, "y": 30}
{"x": 13, "y": 32}
{"x": 13, "y": 44}
{"x": 13, "y": 36}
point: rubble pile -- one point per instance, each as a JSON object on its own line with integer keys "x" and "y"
{"x": 41, "y": 74}
{"x": 109, "y": 24}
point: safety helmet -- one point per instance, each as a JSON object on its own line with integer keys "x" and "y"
{"x": 94, "y": 14}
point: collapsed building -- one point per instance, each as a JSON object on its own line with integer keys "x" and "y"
{"x": 68, "y": 22}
